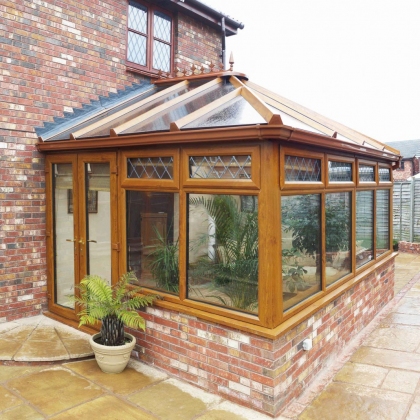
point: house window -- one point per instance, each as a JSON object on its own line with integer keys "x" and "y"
{"x": 149, "y": 42}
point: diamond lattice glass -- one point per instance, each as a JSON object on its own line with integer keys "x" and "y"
{"x": 136, "y": 48}
{"x": 137, "y": 17}
{"x": 339, "y": 171}
{"x": 161, "y": 56}
{"x": 302, "y": 169}
{"x": 162, "y": 26}
{"x": 150, "y": 167}
{"x": 366, "y": 173}
{"x": 220, "y": 167}
{"x": 384, "y": 175}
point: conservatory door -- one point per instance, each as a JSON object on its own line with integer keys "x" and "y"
{"x": 81, "y": 235}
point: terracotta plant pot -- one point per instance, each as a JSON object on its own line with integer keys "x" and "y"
{"x": 112, "y": 359}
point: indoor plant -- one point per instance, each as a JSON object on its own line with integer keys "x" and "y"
{"x": 115, "y": 306}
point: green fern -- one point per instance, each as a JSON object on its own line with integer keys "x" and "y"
{"x": 115, "y": 306}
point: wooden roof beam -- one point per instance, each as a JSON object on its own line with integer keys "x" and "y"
{"x": 178, "y": 124}
{"x": 163, "y": 107}
{"x": 122, "y": 112}
{"x": 269, "y": 116}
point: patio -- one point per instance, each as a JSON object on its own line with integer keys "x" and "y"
{"x": 379, "y": 370}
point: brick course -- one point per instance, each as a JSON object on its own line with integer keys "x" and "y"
{"x": 56, "y": 56}
{"x": 257, "y": 372}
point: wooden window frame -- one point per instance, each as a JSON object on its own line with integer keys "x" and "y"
{"x": 338, "y": 184}
{"x": 286, "y": 185}
{"x": 375, "y": 173}
{"x": 134, "y": 183}
{"x": 148, "y": 69}
{"x": 390, "y": 182}
{"x": 252, "y": 184}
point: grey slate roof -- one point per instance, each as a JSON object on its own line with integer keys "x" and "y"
{"x": 407, "y": 148}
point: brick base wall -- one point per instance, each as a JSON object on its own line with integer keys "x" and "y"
{"x": 257, "y": 372}
{"x": 409, "y": 247}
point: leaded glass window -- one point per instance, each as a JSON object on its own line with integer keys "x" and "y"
{"x": 340, "y": 171}
{"x": 149, "y": 37}
{"x": 220, "y": 167}
{"x": 150, "y": 167}
{"x": 384, "y": 175}
{"x": 302, "y": 169}
{"x": 366, "y": 173}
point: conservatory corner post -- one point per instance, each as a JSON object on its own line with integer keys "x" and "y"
{"x": 270, "y": 291}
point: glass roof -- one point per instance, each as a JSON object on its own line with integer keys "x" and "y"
{"x": 212, "y": 100}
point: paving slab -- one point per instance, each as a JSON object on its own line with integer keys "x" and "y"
{"x": 356, "y": 402}
{"x": 54, "y": 389}
{"x": 107, "y": 407}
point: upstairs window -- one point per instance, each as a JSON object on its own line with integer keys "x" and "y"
{"x": 149, "y": 38}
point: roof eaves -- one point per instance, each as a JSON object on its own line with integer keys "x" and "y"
{"x": 207, "y": 12}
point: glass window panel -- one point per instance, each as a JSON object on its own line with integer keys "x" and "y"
{"x": 364, "y": 227}
{"x": 137, "y": 17}
{"x": 382, "y": 221}
{"x": 366, "y": 173}
{"x": 161, "y": 56}
{"x": 340, "y": 171}
{"x": 162, "y": 26}
{"x": 223, "y": 250}
{"x": 338, "y": 235}
{"x": 136, "y": 48}
{"x": 163, "y": 121}
{"x": 237, "y": 111}
{"x": 384, "y": 175}
{"x": 302, "y": 169}
{"x": 64, "y": 241}
{"x": 301, "y": 247}
{"x": 98, "y": 209}
{"x": 152, "y": 239}
{"x": 150, "y": 167}
{"x": 220, "y": 167}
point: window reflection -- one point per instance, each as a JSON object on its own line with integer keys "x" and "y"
{"x": 152, "y": 239}
{"x": 223, "y": 250}
{"x": 382, "y": 221}
{"x": 364, "y": 227}
{"x": 338, "y": 235}
{"x": 301, "y": 247}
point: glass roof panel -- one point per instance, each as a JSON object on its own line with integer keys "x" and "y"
{"x": 105, "y": 128}
{"x": 237, "y": 111}
{"x": 162, "y": 121}
{"x": 103, "y": 113}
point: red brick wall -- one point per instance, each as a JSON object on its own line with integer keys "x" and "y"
{"x": 198, "y": 44}
{"x": 403, "y": 174}
{"x": 56, "y": 56}
{"x": 409, "y": 247}
{"x": 256, "y": 372}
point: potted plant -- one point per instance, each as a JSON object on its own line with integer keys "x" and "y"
{"x": 115, "y": 306}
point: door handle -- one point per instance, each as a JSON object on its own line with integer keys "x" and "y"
{"x": 92, "y": 240}
{"x": 71, "y": 240}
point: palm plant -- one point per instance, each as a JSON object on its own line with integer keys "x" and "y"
{"x": 234, "y": 269}
{"x": 116, "y": 306}
{"x": 164, "y": 263}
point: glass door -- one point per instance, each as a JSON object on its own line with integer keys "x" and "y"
{"x": 81, "y": 235}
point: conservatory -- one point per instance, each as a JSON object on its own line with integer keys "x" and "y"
{"x": 260, "y": 223}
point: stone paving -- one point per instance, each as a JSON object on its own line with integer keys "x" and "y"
{"x": 376, "y": 377}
